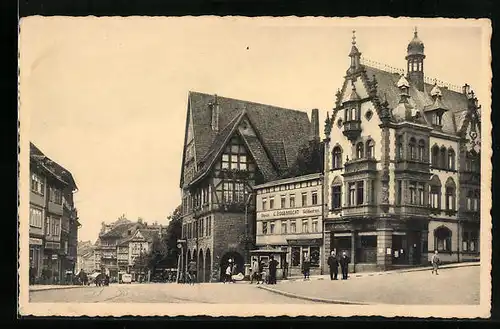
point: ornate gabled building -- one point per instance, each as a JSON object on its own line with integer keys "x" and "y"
{"x": 230, "y": 145}
{"x": 402, "y": 166}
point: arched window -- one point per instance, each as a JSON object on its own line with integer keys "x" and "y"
{"x": 421, "y": 150}
{"x": 450, "y": 194}
{"x": 352, "y": 114}
{"x": 472, "y": 200}
{"x": 336, "y": 193}
{"x": 399, "y": 147}
{"x": 337, "y": 157}
{"x": 442, "y": 158}
{"x": 435, "y": 192}
{"x": 442, "y": 239}
{"x": 370, "y": 149}
{"x": 435, "y": 156}
{"x": 412, "y": 149}
{"x": 451, "y": 159}
{"x": 359, "y": 151}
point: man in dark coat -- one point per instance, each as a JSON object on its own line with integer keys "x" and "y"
{"x": 273, "y": 265}
{"x": 333, "y": 263}
{"x": 344, "y": 265}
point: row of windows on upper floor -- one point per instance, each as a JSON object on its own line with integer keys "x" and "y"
{"x": 441, "y": 158}
{"x": 420, "y": 194}
{"x": 307, "y": 226}
{"x": 38, "y": 187}
{"x": 291, "y": 201}
{"x": 201, "y": 227}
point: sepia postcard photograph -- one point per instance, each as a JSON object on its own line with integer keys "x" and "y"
{"x": 267, "y": 166}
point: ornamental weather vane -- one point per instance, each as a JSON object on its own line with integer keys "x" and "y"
{"x": 353, "y": 37}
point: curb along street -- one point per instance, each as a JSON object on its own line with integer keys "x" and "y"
{"x": 354, "y": 275}
{"x": 313, "y": 299}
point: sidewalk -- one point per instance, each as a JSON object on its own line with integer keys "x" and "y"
{"x": 450, "y": 287}
{"x": 40, "y": 287}
{"x": 365, "y": 274}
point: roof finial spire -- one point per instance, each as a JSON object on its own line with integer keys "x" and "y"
{"x": 415, "y": 31}
{"x": 353, "y": 37}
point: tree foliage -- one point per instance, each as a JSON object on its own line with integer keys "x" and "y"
{"x": 310, "y": 160}
{"x": 164, "y": 251}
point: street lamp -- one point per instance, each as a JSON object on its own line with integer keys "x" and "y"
{"x": 247, "y": 226}
{"x": 180, "y": 260}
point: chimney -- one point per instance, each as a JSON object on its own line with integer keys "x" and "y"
{"x": 214, "y": 107}
{"x": 314, "y": 124}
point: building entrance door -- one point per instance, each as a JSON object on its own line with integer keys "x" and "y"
{"x": 399, "y": 250}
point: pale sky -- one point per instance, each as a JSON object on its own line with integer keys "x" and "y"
{"x": 107, "y": 97}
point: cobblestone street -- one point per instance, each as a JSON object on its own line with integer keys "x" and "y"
{"x": 451, "y": 286}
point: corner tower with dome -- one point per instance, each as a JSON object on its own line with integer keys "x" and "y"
{"x": 402, "y": 166}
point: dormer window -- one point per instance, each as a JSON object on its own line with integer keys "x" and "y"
{"x": 437, "y": 119}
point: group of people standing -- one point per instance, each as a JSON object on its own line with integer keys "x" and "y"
{"x": 260, "y": 275}
{"x": 334, "y": 262}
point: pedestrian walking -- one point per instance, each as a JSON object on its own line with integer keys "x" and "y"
{"x": 192, "y": 272}
{"x": 435, "y": 263}
{"x": 333, "y": 263}
{"x": 227, "y": 274}
{"x": 306, "y": 267}
{"x": 344, "y": 265}
{"x": 285, "y": 269}
{"x": 273, "y": 265}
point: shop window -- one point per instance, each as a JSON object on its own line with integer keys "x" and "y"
{"x": 337, "y": 157}
{"x": 474, "y": 246}
{"x": 295, "y": 256}
{"x": 442, "y": 238}
{"x": 465, "y": 241}
{"x": 314, "y": 198}
{"x": 315, "y": 256}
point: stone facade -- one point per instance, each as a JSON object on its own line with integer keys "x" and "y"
{"x": 401, "y": 167}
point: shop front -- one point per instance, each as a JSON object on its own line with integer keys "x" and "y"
{"x": 300, "y": 251}
{"x": 36, "y": 259}
{"x": 264, "y": 256}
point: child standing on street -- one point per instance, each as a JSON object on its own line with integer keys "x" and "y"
{"x": 435, "y": 262}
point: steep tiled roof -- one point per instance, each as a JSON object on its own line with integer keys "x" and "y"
{"x": 387, "y": 89}
{"x": 270, "y": 122}
{"x": 52, "y": 167}
{"x": 260, "y": 156}
{"x": 120, "y": 230}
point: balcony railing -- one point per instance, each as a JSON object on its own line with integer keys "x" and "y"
{"x": 412, "y": 165}
{"x": 412, "y": 210}
{"x": 352, "y": 129}
{"x": 360, "y": 165}
{"x": 360, "y": 210}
